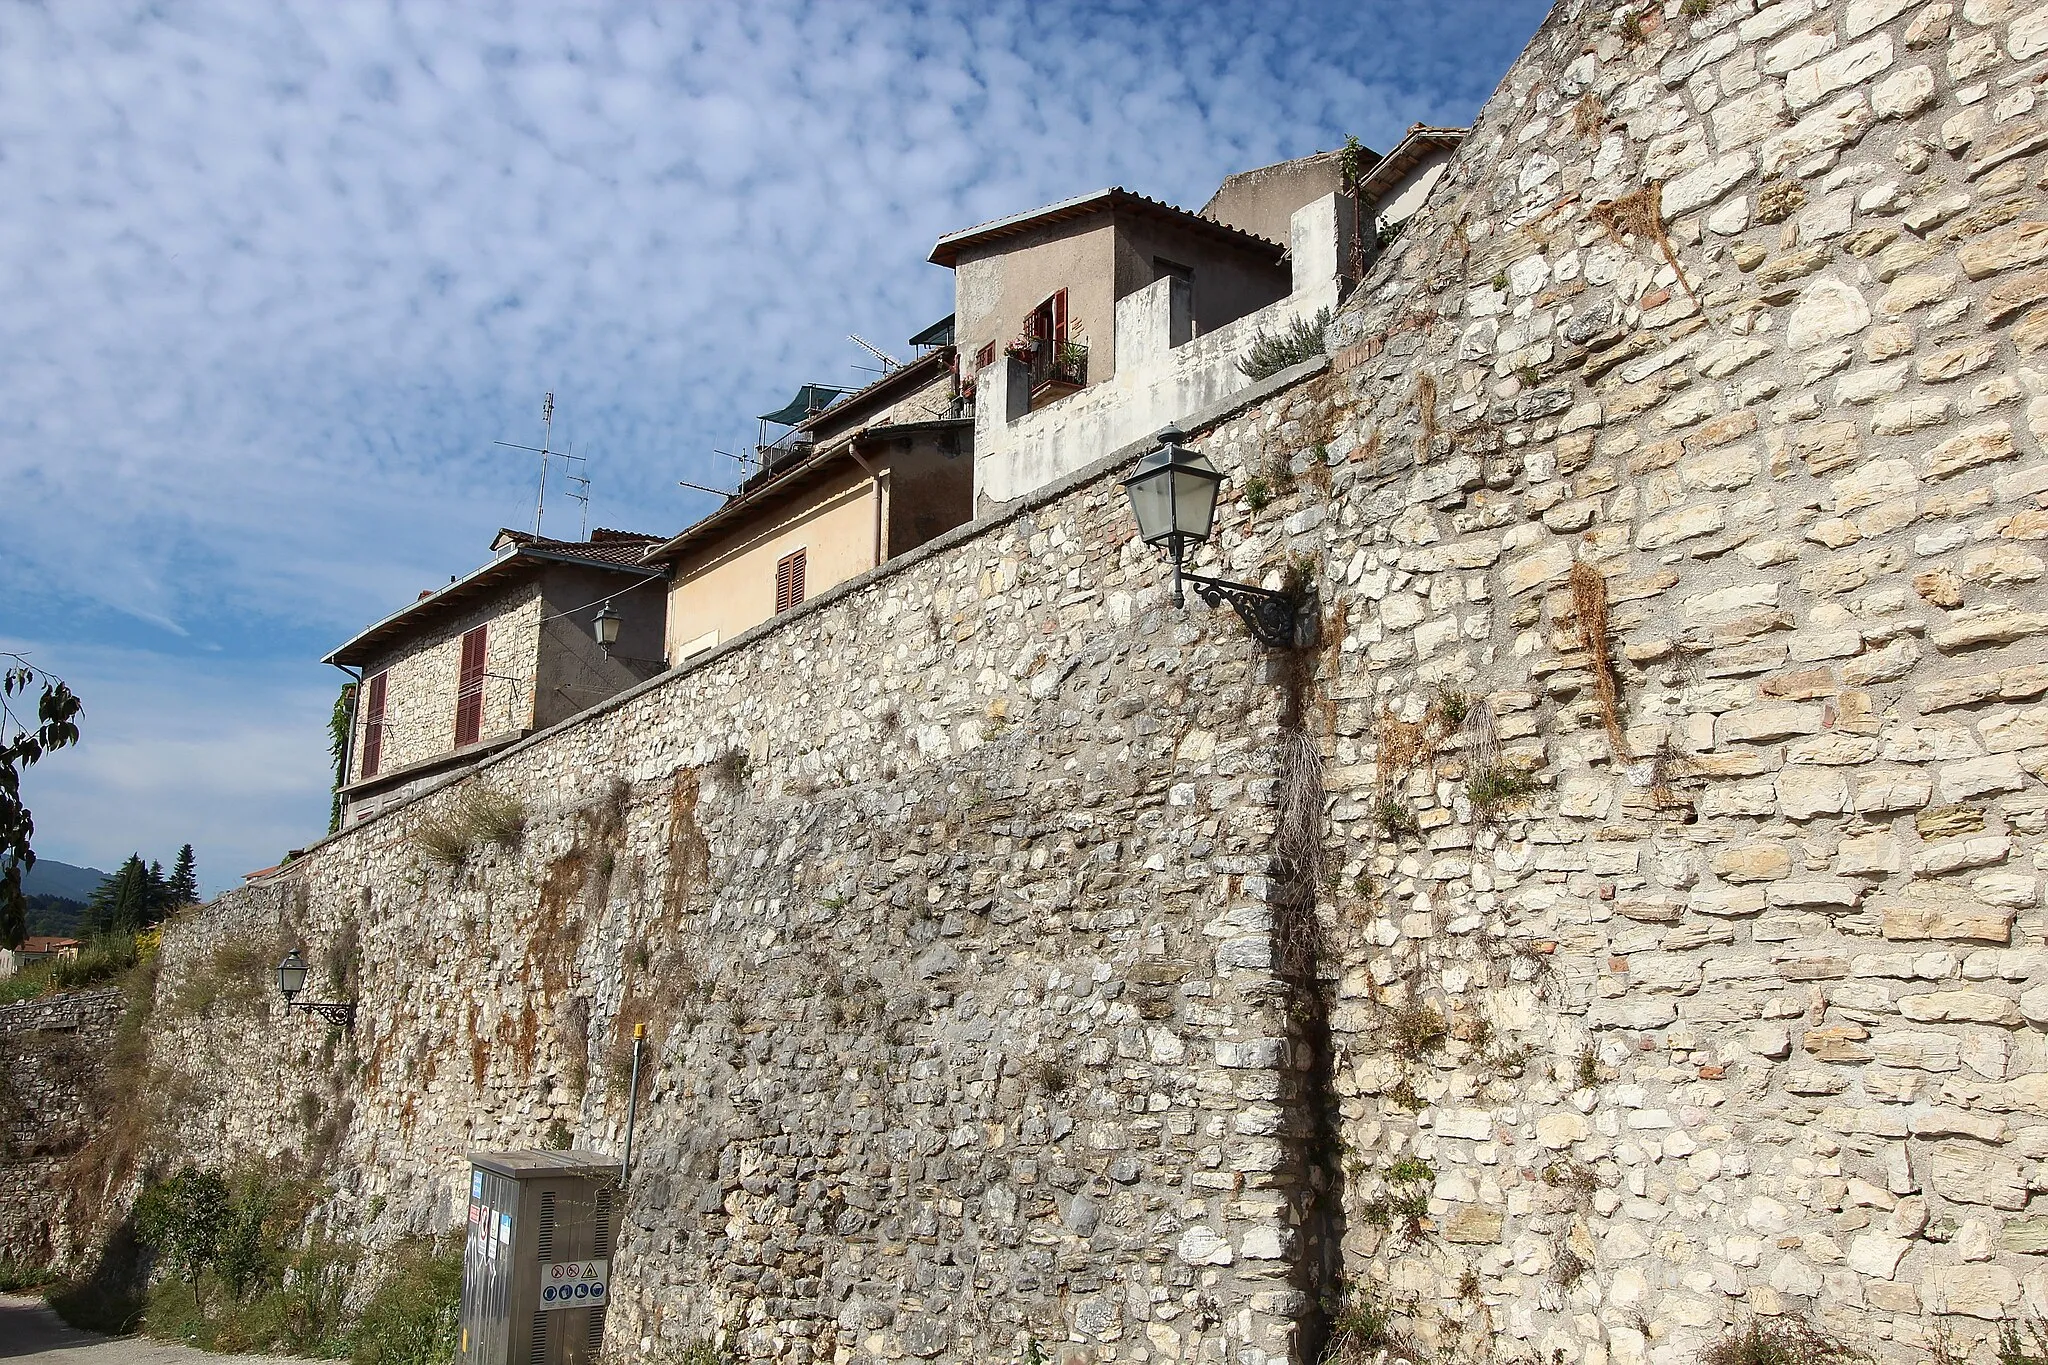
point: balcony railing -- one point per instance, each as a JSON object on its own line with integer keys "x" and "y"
{"x": 1058, "y": 364}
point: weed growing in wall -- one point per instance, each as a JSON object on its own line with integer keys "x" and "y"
{"x": 482, "y": 816}
{"x": 1788, "y": 1340}
{"x": 1299, "y": 341}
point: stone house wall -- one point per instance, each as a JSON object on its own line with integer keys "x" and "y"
{"x": 422, "y": 679}
{"x": 1625, "y": 923}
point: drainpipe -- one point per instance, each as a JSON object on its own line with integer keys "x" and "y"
{"x": 348, "y": 741}
{"x": 853, "y": 449}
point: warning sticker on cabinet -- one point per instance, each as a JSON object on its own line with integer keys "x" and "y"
{"x": 575, "y": 1284}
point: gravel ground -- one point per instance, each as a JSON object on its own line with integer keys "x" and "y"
{"x": 30, "y": 1331}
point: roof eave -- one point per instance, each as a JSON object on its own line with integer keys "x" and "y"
{"x": 352, "y": 652}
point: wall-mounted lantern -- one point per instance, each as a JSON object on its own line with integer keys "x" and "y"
{"x": 291, "y": 981}
{"x": 1173, "y": 496}
{"x": 605, "y": 625}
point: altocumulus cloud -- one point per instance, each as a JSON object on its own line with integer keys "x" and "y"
{"x": 277, "y": 274}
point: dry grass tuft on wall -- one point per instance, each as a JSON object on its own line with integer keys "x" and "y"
{"x": 1589, "y": 608}
{"x": 482, "y": 815}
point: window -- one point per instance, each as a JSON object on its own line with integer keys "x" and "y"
{"x": 789, "y": 581}
{"x": 373, "y": 726}
{"x": 469, "y": 692}
{"x": 1049, "y": 320}
{"x": 1163, "y": 269}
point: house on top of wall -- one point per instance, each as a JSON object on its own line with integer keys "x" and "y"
{"x": 855, "y": 480}
{"x": 1089, "y": 324}
{"x": 503, "y": 651}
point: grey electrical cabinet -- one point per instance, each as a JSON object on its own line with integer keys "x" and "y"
{"x": 536, "y": 1273}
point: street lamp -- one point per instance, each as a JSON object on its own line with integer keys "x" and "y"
{"x": 606, "y": 626}
{"x": 291, "y": 980}
{"x": 1173, "y": 496}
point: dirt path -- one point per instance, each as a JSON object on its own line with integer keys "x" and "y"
{"x": 30, "y": 1331}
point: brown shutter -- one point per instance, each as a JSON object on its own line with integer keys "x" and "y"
{"x": 984, "y": 357}
{"x": 469, "y": 692}
{"x": 1059, "y": 316}
{"x": 373, "y": 727}
{"x": 789, "y": 581}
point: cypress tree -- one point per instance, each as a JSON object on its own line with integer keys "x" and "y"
{"x": 122, "y": 900}
{"x": 184, "y": 879}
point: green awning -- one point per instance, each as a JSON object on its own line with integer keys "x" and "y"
{"x": 811, "y": 398}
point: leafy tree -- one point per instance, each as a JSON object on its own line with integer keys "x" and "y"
{"x": 22, "y": 744}
{"x": 184, "y": 879}
{"x": 183, "y": 1219}
{"x": 339, "y": 723}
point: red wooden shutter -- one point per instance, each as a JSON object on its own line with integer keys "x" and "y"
{"x": 469, "y": 692}
{"x": 984, "y": 357}
{"x": 1059, "y": 316}
{"x": 789, "y": 581}
{"x": 373, "y": 726}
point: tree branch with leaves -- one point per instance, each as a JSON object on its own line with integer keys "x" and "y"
{"x": 25, "y": 737}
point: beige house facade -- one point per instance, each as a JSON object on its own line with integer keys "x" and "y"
{"x": 497, "y": 654}
{"x": 1062, "y": 270}
{"x": 878, "y": 473}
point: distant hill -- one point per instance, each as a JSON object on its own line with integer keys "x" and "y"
{"x": 57, "y": 916}
{"x": 52, "y": 878}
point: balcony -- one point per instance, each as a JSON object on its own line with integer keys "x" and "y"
{"x": 1057, "y": 369}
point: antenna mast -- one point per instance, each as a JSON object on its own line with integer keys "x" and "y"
{"x": 889, "y": 362}
{"x": 546, "y": 451}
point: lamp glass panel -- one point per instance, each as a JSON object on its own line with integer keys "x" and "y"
{"x": 291, "y": 974}
{"x": 608, "y": 626}
{"x": 1149, "y": 503}
{"x": 1194, "y": 497}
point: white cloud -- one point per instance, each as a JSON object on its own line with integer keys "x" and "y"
{"x": 278, "y": 274}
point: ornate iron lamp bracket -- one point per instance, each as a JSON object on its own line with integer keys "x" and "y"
{"x": 1273, "y": 618}
{"x": 339, "y": 1015}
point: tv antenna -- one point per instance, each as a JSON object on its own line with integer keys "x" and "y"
{"x": 547, "y": 452}
{"x": 889, "y": 362}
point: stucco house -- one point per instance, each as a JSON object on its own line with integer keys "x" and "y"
{"x": 850, "y": 486}
{"x": 1089, "y": 324}
{"x": 1391, "y": 188}
{"x": 498, "y": 653}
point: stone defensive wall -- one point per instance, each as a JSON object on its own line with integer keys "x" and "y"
{"x": 1624, "y": 923}
{"x": 52, "y": 1100}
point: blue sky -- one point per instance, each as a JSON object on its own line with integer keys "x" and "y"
{"x": 278, "y": 274}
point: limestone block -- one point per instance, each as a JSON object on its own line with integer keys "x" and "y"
{"x": 1560, "y": 1130}
{"x": 1853, "y": 65}
{"x": 1991, "y": 624}
{"x": 1882, "y": 793}
{"x": 1202, "y": 1246}
{"x": 1904, "y": 93}
{"x": 1917, "y": 1051}
{"x": 1804, "y": 793}
{"x": 1979, "y": 776}
{"x": 1698, "y": 188}
{"x": 1835, "y": 125}
{"x": 1912, "y": 920}
{"x": 1864, "y": 15}
{"x": 2021, "y": 244}
{"x": 2012, "y": 295}
{"x": 1965, "y": 1007}
{"x": 1985, "y": 444}
{"x": 1975, "y": 1291}
{"x": 1749, "y": 863}
{"x": 1828, "y": 310}
{"x": 1869, "y": 855}
{"x": 1473, "y": 1224}
{"x": 1876, "y": 1255}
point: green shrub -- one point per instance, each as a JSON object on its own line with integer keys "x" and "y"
{"x": 1300, "y": 341}
{"x": 18, "y": 1277}
{"x": 1498, "y": 789}
{"x": 1410, "y": 1169}
{"x": 410, "y": 1317}
{"x": 181, "y": 1221}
